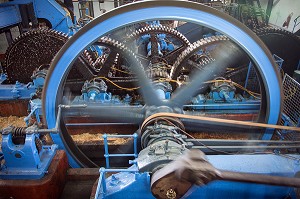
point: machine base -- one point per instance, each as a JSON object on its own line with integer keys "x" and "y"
{"x": 49, "y": 187}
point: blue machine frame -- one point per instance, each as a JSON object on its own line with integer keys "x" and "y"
{"x": 50, "y": 10}
{"x": 24, "y": 161}
{"x": 138, "y": 184}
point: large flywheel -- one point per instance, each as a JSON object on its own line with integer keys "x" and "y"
{"x": 148, "y": 86}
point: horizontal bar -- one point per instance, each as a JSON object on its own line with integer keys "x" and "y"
{"x": 119, "y": 136}
{"x": 73, "y": 106}
{"x": 224, "y": 141}
{"x": 233, "y": 148}
{"x": 120, "y": 170}
{"x": 97, "y": 124}
{"x": 211, "y": 105}
{"x": 219, "y": 121}
{"x": 120, "y": 155}
{"x": 259, "y": 179}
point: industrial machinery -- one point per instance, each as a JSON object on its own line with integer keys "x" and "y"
{"x": 171, "y": 95}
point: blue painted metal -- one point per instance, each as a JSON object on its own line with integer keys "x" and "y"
{"x": 9, "y": 16}
{"x": 209, "y": 106}
{"x": 279, "y": 61}
{"x": 50, "y": 10}
{"x": 98, "y": 50}
{"x": 24, "y": 161}
{"x": 35, "y": 110}
{"x": 162, "y": 44}
{"x": 17, "y": 91}
{"x": 211, "y": 34}
{"x": 2, "y": 77}
{"x": 138, "y": 184}
{"x": 38, "y": 78}
{"x": 199, "y": 15}
{"x": 249, "y": 74}
{"x": 223, "y": 99}
{"x": 59, "y": 17}
{"x": 158, "y": 49}
{"x": 20, "y": 90}
{"x": 106, "y": 153}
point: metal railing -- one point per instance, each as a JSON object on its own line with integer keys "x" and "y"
{"x": 291, "y": 108}
{"x": 107, "y": 155}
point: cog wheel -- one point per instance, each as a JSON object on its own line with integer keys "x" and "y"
{"x": 183, "y": 61}
{"x": 154, "y": 30}
{"x": 284, "y": 44}
{"x": 130, "y": 57}
{"x": 33, "y": 49}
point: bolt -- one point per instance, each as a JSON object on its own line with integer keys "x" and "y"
{"x": 171, "y": 194}
{"x": 167, "y": 145}
{"x": 182, "y": 147}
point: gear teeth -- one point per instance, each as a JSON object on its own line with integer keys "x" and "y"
{"x": 191, "y": 49}
{"x": 13, "y": 58}
{"x": 163, "y": 29}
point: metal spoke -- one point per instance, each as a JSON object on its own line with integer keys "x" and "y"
{"x": 146, "y": 88}
{"x": 85, "y": 70}
{"x": 226, "y": 55}
{"x": 109, "y": 114}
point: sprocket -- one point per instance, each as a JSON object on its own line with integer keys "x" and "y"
{"x": 32, "y": 49}
{"x": 153, "y": 30}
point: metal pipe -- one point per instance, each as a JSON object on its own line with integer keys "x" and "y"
{"x": 232, "y": 148}
{"x": 97, "y": 124}
{"x": 121, "y": 155}
{"x": 259, "y": 179}
{"x": 119, "y": 136}
{"x": 225, "y": 141}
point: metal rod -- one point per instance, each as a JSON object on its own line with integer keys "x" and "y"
{"x": 259, "y": 179}
{"x": 135, "y": 137}
{"x": 119, "y": 136}
{"x": 106, "y": 154}
{"x": 122, "y": 170}
{"x": 224, "y": 141}
{"x": 100, "y": 182}
{"x": 218, "y": 121}
{"x": 226, "y": 148}
{"x": 121, "y": 155}
{"x": 97, "y": 124}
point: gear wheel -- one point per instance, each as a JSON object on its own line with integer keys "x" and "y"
{"x": 169, "y": 57}
{"x": 191, "y": 50}
{"x": 33, "y": 49}
{"x": 114, "y": 46}
{"x": 284, "y": 44}
{"x": 158, "y": 29}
